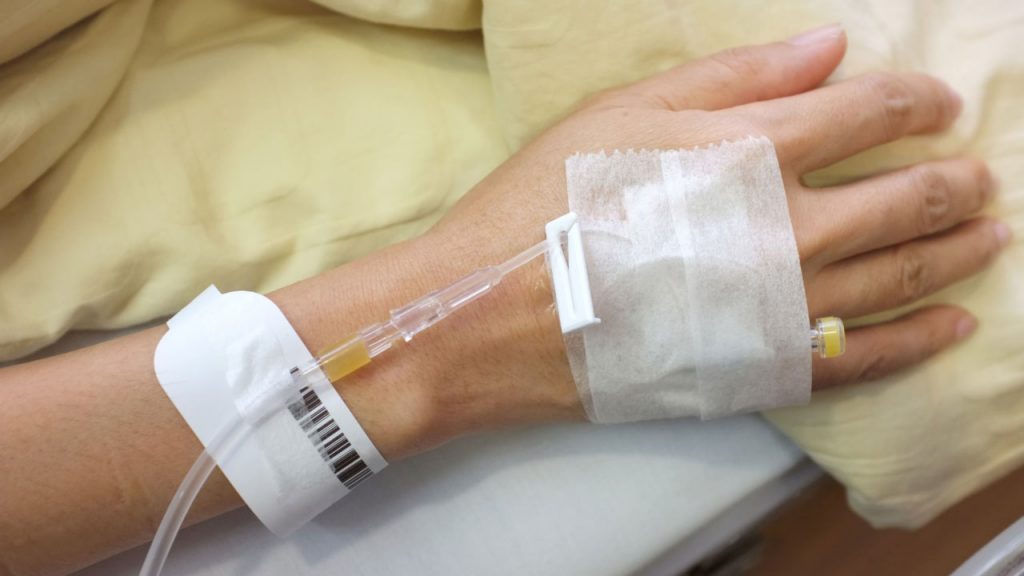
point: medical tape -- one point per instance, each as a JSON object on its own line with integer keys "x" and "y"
{"x": 301, "y": 449}
{"x": 695, "y": 274}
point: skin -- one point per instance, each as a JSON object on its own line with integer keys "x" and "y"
{"x": 99, "y": 483}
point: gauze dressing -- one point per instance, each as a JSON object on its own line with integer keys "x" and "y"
{"x": 695, "y": 275}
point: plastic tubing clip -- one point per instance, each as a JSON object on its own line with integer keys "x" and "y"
{"x": 569, "y": 274}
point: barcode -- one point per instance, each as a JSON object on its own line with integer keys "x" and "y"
{"x": 328, "y": 439}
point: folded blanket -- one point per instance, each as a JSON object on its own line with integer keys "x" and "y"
{"x": 151, "y": 149}
{"x": 250, "y": 144}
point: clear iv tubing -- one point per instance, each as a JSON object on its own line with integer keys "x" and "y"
{"x": 338, "y": 361}
{"x": 185, "y": 495}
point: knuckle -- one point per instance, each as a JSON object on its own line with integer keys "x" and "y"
{"x": 935, "y": 197}
{"x": 914, "y": 277}
{"x": 895, "y": 101}
{"x": 743, "y": 62}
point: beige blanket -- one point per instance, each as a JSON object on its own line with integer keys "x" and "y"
{"x": 150, "y": 147}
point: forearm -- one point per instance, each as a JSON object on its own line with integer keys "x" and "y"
{"x": 92, "y": 449}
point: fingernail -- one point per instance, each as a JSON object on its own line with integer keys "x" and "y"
{"x": 817, "y": 35}
{"x": 965, "y": 327}
{"x": 1003, "y": 233}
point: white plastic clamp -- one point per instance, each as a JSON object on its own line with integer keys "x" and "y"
{"x": 572, "y": 285}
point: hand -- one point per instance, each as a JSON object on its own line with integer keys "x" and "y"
{"x": 865, "y": 247}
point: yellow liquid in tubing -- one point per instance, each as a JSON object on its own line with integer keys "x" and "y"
{"x": 353, "y": 357}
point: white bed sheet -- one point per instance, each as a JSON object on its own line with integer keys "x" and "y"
{"x": 558, "y": 500}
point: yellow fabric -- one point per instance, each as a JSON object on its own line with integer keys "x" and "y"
{"x": 252, "y": 143}
{"x": 433, "y": 14}
{"x": 49, "y": 96}
{"x": 24, "y": 24}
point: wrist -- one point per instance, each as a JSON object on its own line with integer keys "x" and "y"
{"x": 501, "y": 360}
{"x": 498, "y": 361}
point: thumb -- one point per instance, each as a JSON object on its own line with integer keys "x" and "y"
{"x": 747, "y": 74}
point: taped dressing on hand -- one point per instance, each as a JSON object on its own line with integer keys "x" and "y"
{"x": 696, "y": 277}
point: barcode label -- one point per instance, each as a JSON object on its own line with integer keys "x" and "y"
{"x": 328, "y": 439}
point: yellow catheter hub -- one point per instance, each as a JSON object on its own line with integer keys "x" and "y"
{"x": 828, "y": 337}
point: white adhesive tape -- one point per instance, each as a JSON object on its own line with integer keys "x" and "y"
{"x": 696, "y": 277}
{"x": 231, "y": 353}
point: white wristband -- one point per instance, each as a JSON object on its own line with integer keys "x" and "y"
{"x": 224, "y": 355}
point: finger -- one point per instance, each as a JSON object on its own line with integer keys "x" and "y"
{"x": 893, "y": 277}
{"x": 824, "y": 126}
{"x": 873, "y": 352}
{"x": 896, "y": 207}
{"x": 747, "y": 74}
